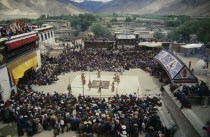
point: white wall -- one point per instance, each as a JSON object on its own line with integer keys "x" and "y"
{"x": 4, "y": 82}
{"x": 50, "y": 40}
{"x": 38, "y": 52}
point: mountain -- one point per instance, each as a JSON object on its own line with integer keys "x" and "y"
{"x": 92, "y": 6}
{"x": 162, "y": 7}
{"x": 35, "y": 8}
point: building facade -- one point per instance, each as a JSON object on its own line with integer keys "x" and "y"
{"x": 18, "y": 54}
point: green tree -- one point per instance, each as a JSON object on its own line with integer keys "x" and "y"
{"x": 114, "y": 20}
{"x": 43, "y": 16}
{"x": 83, "y": 21}
{"x": 158, "y": 35}
{"x": 100, "y": 30}
{"x": 128, "y": 19}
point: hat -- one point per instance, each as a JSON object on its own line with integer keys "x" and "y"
{"x": 124, "y": 132}
{"x": 89, "y": 122}
{"x": 123, "y": 127}
{"x": 85, "y": 122}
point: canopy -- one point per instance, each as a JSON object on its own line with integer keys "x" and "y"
{"x": 175, "y": 68}
{"x": 151, "y": 44}
{"x": 125, "y": 36}
{"x": 190, "y": 46}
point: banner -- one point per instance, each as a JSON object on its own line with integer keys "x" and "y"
{"x": 175, "y": 68}
{"x": 22, "y": 64}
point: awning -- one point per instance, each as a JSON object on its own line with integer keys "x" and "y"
{"x": 20, "y": 41}
{"x": 151, "y": 44}
{"x": 175, "y": 68}
{"x": 22, "y": 64}
{"x": 125, "y": 36}
{"x": 190, "y": 46}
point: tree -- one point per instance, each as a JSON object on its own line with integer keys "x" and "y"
{"x": 128, "y": 19}
{"x": 83, "y": 21}
{"x": 158, "y": 35}
{"x": 114, "y": 20}
{"x": 100, "y": 30}
{"x": 43, "y": 16}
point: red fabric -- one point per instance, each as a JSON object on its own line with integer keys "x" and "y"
{"x": 20, "y": 42}
{"x": 208, "y": 130}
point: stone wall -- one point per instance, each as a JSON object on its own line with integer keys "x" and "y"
{"x": 188, "y": 124}
{"x": 38, "y": 52}
{"x": 5, "y": 83}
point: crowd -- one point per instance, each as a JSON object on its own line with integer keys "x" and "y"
{"x": 94, "y": 38}
{"x": 93, "y": 59}
{"x": 182, "y": 92}
{"x": 200, "y": 89}
{"x": 118, "y": 116}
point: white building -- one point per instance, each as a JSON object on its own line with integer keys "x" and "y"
{"x": 46, "y": 38}
{"x": 46, "y": 34}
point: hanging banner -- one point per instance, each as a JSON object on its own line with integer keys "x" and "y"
{"x": 21, "y": 41}
{"x": 22, "y": 64}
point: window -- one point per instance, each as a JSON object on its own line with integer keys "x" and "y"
{"x": 42, "y": 38}
{"x": 48, "y": 34}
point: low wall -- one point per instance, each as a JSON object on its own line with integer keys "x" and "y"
{"x": 189, "y": 125}
{"x": 197, "y": 100}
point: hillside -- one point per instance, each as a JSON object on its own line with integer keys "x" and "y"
{"x": 177, "y": 7}
{"x": 35, "y": 8}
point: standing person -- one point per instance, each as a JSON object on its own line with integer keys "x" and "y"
{"x": 189, "y": 64}
{"x": 62, "y": 124}
{"x": 57, "y": 127}
{"x": 143, "y": 127}
{"x": 99, "y": 73}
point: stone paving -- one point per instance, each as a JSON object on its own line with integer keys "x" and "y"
{"x": 134, "y": 80}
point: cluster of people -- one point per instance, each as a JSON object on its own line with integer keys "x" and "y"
{"x": 36, "y": 111}
{"x": 93, "y": 59}
{"x": 14, "y": 29}
{"x": 119, "y": 116}
{"x": 94, "y": 38}
{"x": 200, "y": 89}
{"x": 182, "y": 92}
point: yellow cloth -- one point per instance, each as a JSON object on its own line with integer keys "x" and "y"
{"x": 22, "y": 64}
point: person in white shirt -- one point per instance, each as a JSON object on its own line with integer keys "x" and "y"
{"x": 62, "y": 125}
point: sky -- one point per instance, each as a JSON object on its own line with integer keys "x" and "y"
{"x": 91, "y": 0}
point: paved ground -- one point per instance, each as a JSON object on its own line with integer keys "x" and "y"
{"x": 202, "y": 113}
{"x": 130, "y": 82}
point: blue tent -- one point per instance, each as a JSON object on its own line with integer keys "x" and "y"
{"x": 175, "y": 68}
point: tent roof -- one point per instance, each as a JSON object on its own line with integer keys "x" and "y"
{"x": 151, "y": 44}
{"x": 174, "y": 67}
{"x": 125, "y": 36}
{"x": 190, "y": 46}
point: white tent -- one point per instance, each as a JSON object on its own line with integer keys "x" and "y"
{"x": 125, "y": 36}
{"x": 151, "y": 44}
{"x": 190, "y": 46}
